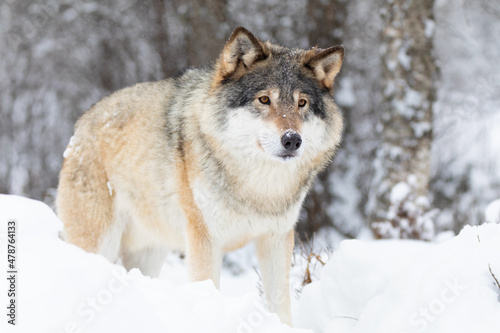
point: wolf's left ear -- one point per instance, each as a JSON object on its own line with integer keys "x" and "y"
{"x": 242, "y": 47}
{"x": 325, "y": 64}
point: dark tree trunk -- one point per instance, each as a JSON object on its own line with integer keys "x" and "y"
{"x": 325, "y": 30}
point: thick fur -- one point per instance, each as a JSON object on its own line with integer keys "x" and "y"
{"x": 196, "y": 163}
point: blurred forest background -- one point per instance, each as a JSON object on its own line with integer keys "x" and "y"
{"x": 419, "y": 90}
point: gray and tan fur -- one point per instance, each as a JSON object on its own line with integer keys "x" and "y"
{"x": 205, "y": 163}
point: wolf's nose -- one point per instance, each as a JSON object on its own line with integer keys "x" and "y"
{"x": 291, "y": 141}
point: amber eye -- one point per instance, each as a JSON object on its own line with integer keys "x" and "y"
{"x": 302, "y": 103}
{"x": 264, "y": 100}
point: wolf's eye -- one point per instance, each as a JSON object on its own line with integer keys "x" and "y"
{"x": 264, "y": 100}
{"x": 302, "y": 103}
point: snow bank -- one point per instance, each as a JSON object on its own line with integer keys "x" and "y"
{"x": 373, "y": 286}
{"x": 61, "y": 288}
{"x": 408, "y": 286}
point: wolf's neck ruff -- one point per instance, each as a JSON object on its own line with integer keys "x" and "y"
{"x": 258, "y": 186}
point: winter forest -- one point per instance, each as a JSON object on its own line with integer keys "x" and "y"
{"x": 419, "y": 91}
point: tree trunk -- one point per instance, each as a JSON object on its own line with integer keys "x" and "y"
{"x": 325, "y": 30}
{"x": 398, "y": 202}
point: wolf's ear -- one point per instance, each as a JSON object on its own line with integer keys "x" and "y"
{"x": 325, "y": 64}
{"x": 242, "y": 47}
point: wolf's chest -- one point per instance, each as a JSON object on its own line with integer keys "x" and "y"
{"x": 234, "y": 227}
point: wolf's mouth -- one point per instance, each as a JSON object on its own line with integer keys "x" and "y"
{"x": 287, "y": 156}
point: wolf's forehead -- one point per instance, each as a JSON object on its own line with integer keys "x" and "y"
{"x": 285, "y": 73}
{"x": 287, "y": 61}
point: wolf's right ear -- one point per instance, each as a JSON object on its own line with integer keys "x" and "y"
{"x": 242, "y": 47}
{"x": 325, "y": 64}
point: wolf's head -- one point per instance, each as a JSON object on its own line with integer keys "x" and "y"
{"x": 276, "y": 103}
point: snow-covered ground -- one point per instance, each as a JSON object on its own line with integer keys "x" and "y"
{"x": 366, "y": 286}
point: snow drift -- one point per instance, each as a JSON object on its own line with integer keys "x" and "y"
{"x": 377, "y": 286}
{"x": 64, "y": 289}
{"x": 408, "y": 286}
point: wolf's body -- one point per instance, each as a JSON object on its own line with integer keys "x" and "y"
{"x": 205, "y": 163}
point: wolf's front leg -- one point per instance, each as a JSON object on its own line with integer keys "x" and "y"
{"x": 203, "y": 252}
{"x": 274, "y": 252}
{"x": 204, "y": 256}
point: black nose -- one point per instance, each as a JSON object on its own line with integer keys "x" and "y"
{"x": 291, "y": 141}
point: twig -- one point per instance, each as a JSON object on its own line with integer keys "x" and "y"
{"x": 496, "y": 281}
{"x": 318, "y": 258}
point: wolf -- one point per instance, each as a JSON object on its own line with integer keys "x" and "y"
{"x": 206, "y": 162}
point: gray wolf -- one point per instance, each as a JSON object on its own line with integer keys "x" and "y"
{"x": 206, "y": 162}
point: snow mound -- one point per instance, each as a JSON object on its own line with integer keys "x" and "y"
{"x": 408, "y": 286}
{"x": 492, "y": 212}
{"x": 62, "y": 288}
{"x": 374, "y": 286}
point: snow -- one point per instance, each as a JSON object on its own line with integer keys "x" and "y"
{"x": 69, "y": 149}
{"x": 430, "y": 27}
{"x": 365, "y": 286}
{"x": 64, "y": 289}
{"x": 419, "y": 129}
{"x": 413, "y": 98}
{"x": 399, "y": 192}
{"x": 492, "y": 213}
{"x": 409, "y": 215}
{"x": 403, "y": 57}
{"x": 110, "y": 188}
{"x": 403, "y": 109}
{"x": 408, "y": 286}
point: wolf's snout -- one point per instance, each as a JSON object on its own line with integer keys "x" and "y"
{"x": 291, "y": 141}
